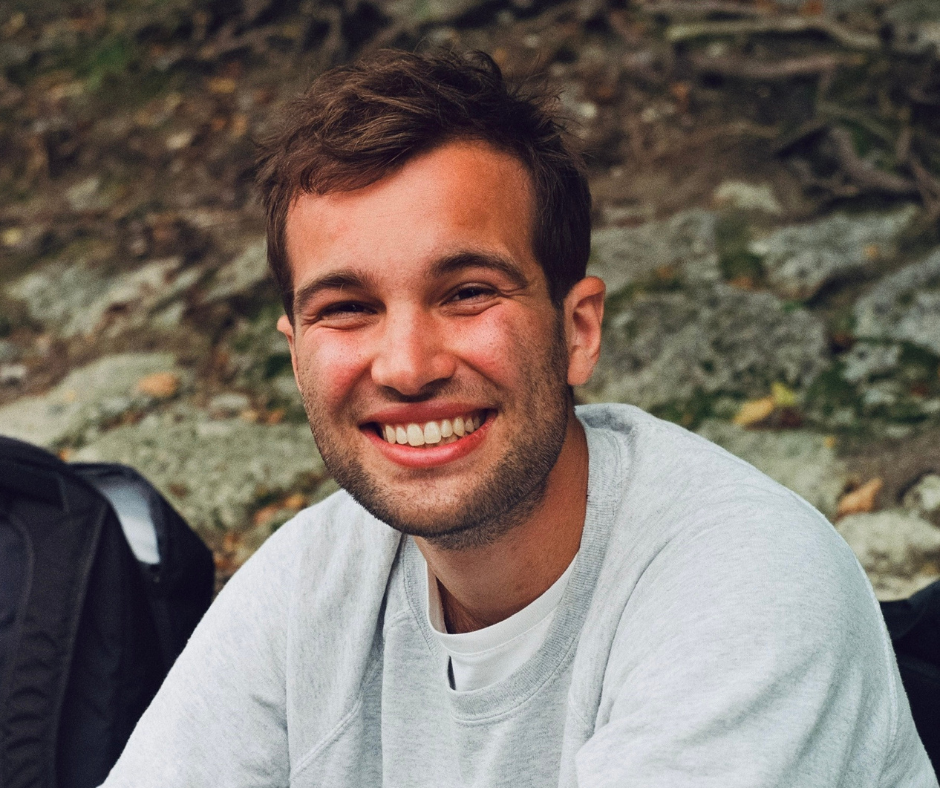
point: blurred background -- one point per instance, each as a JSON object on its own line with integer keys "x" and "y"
{"x": 766, "y": 178}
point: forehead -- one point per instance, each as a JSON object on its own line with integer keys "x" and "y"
{"x": 460, "y": 197}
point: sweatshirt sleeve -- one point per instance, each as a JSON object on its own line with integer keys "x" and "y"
{"x": 219, "y": 717}
{"x": 749, "y": 656}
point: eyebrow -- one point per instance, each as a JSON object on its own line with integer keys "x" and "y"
{"x": 454, "y": 263}
{"x": 350, "y": 279}
{"x": 346, "y": 279}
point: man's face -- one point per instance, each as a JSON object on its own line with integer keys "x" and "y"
{"x": 432, "y": 364}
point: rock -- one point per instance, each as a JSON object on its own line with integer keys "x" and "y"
{"x": 801, "y": 460}
{"x": 924, "y": 497}
{"x": 8, "y": 351}
{"x": 77, "y": 299}
{"x": 259, "y": 355}
{"x": 240, "y": 275}
{"x": 915, "y": 24}
{"x": 86, "y": 195}
{"x": 86, "y": 398}
{"x": 419, "y": 12}
{"x": 800, "y": 260}
{"x": 747, "y": 197}
{"x": 682, "y": 247}
{"x": 662, "y": 348}
{"x": 214, "y": 472}
{"x": 12, "y": 374}
{"x": 867, "y": 361}
{"x": 904, "y": 306}
{"x": 231, "y": 403}
{"x": 900, "y": 551}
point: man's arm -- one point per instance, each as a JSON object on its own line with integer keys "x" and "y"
{"x": 219, "y": 717}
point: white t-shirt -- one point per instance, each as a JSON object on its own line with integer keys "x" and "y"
{"x": 488, "y": 655}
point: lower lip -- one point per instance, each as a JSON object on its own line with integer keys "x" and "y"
{"x": 429, "y": 456}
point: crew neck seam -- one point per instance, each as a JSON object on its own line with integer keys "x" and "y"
{"x": 454, "y": 637}
{"x": 501, "y": 645}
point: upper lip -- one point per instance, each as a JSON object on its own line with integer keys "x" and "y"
{"x": 419, "y": 413}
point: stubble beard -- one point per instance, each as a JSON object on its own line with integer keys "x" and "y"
{"x": 505, "y": 498}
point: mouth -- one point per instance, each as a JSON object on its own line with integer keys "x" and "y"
{"x": 438, "y": 432}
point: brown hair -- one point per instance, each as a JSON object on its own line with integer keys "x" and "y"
{"x": 361, "y": 122}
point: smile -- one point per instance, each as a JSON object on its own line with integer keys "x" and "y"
{"x": 432, "y": 433}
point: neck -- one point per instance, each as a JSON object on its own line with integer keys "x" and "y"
{"x": 483, "y": 585}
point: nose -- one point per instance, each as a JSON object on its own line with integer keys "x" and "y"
{"x": 412, "y": 354}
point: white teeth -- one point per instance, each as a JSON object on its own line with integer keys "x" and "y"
{"x": 415, "y": 435}
{"x": 433, "y": 433}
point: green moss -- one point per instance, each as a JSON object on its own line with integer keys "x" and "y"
{"x": 276, "y": 364}
{"x": 735, "y": 260}
{"x": 830, "y": 392}
{"x": 904, "y": 412}
{"x": 689, "y": 413}
{"x": 919, "y": 366}
{"x": 666, "y": 280}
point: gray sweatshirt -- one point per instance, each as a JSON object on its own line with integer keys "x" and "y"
{"x": 716, "y": 631}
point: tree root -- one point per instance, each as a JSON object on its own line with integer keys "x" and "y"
{"x": 786, "y": 25}
{"x": 769, "y": 71}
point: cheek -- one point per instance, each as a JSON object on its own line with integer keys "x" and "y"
{"x": 329, "y": 367}
{"x": 501, "y": 345}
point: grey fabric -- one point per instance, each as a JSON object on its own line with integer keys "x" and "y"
{"x": 716, "y": 631}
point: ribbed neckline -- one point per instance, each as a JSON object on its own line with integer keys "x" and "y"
{"x": 603, "y": 499}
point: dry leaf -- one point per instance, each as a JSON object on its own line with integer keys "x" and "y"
{"x": 295, "y": 501}
{"x": 161, "y": 385}
{"x": 861, "y": 499}
{"x": 222, "y": 85}
{"x": 266, "y": 514}
{"x": 239, "y": 125}
{"x": 755, "y": 411}
{"x": 743, "y": 282}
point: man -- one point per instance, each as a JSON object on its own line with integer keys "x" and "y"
{"x": 505, "y": 593}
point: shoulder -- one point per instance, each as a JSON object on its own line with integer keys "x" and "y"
{"x": 689, "y": 510}
{"x": 673, "y": 487}
{"x": 335, "y": 538}
{"x": 726, "y": 604}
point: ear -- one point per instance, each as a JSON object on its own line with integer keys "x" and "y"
{"x": 287, "y": 329}
{"x": 584, "y": 313}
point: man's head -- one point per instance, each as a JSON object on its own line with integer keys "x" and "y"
{"x": 434, "y": 355}
{"x": 359, "y": 123}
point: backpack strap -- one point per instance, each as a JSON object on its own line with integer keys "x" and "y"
{"x": 61, "y": 524}
{"x": 914, "y": 626}
{"x": 179, "y": 589}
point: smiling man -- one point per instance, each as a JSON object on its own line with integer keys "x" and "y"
{"x": 507, "y": 592}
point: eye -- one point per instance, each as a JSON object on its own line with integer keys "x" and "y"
{"x": 342, "y": 313}
{"x": 471, "y": 292}
{"x": 344, "y": 308}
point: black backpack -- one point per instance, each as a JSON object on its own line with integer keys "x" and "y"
{"x": 914, "y": 625}
{"x": 88, "y": 631}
